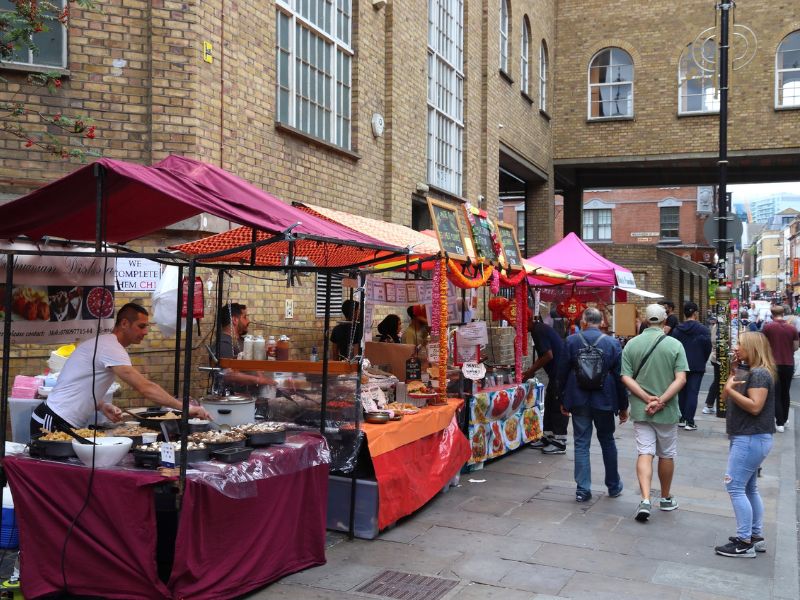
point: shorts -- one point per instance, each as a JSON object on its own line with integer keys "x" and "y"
{"x": 656, "y": 439}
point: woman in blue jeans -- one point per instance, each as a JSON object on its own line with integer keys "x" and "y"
{"x": 750, "y": 395}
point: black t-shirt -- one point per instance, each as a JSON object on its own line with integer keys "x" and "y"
{"x": 739, "y": 421}
{"x": 341, "y": 336}
{"x": 546, "y": 339}
{"x": 672, "y": 323}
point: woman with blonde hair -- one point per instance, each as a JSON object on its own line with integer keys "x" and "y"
{"x": 750, "y": 396}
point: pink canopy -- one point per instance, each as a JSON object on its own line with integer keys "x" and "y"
{"x": 140, "y": 200}
{"x": 571, "y": 255}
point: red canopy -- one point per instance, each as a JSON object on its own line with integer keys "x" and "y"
{"x": 140, "y": 200}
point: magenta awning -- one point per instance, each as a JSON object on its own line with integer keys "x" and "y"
{"x": 571, "y": 255}
{"x": 141, "y": 200}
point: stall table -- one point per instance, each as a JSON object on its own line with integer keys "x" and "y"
{"x": 231, "y": 537}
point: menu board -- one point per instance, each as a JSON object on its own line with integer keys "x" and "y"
{"x": 508, "y": 238}
{"x": 448, "y": 229}
{"x": 481, "y": 230}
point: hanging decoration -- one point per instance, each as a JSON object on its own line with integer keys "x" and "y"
{"x": 571, "y": 309}
{"x": 495, "y": 285}
{"x": 439, "y": 323}
{"x": 512, "y": 281}
{"x": 521, "y": 329}
{"x": 458, "y": 278}
{"x": 497, "y": 304}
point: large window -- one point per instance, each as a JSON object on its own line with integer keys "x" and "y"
{"x": 48, "y": 48}
{"x": 597, "y": 225}
{"x": 611, "y": 84}
{"x": 670, "y": 222}
{"x": 524, "y": 58}
{"x": 314, "y": 59}
{"x": 521, "y": 228}
{"x": 697, "y": 79}
{"x": 543, "y": 65}
{"x": 504, "y": 36}
{"x": 787, "y": 71}
{"x": 445, "y": 93}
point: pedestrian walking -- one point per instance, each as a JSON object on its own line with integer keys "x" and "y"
{"x": 783, "y": 341}
{"x": 593, "y": 400}
{"x": 654, "y": 370}
{"x": 750, "y": 424}
{"x": 671, "y": 322}
{"x": 696, "y": 340}
{"x": 549, "y": 349}
{"x": 713, "y": 392}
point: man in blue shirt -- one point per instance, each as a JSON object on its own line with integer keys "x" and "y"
{"x": 594, "y": 406}
{"x": 549, "y": 349}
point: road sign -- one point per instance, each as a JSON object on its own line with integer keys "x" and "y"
{"x": 733, "y": 233}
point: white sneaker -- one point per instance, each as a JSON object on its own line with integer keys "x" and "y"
{"x": 709, "y": 410}
{"x": 780, "y": 428}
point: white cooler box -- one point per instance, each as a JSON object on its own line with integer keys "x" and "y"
{"x": 21, "y": 409}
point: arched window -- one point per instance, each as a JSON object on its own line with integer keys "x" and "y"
{"x": 787, "y": 72}
{"x": 504, "y": 36}
{"x": 697, "y": 90}
{"x": 524, "y": 58}
{"x": 543, "y": 66}
{"x": 611, "y": 84}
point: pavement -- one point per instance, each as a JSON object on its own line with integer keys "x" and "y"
{"x": 513, "y": 531}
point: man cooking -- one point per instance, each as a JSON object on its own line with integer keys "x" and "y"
{"x": 70, "y": 403}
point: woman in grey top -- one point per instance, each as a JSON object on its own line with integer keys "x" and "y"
{"x": 750, "y": 395}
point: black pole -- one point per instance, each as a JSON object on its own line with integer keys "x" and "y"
{"x": 7, "y": 300}
{"x": 177, "y": 367}
{"x": 99, "y": 175}
{"x": 187, "y": 379}
{"x": 325, "y": 353}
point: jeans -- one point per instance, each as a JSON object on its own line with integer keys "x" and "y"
{"x": 582, "y": 419}
{"x": 687, "y": 397}
{"x": 785, "y": 373}
{"x": 746, "y": 454}
{"x": 713, "y": 391}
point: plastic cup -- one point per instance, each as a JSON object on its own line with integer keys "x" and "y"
{"x": 149, "y": 438}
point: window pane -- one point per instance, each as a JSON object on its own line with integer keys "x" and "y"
{"x": 670, "y": 221}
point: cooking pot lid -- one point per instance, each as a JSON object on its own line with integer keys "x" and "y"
{"x": 234, "y": 399}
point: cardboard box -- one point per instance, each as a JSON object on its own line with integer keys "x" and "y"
{"x": 390, "y": 357}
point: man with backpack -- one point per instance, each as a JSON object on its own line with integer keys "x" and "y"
{"x": 593, "y": 393}
{"x": 654, "y": 370}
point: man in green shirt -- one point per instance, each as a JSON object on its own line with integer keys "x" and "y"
{"x": 654, "y": 370}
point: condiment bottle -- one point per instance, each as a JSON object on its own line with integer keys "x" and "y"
{"x": 282, "y": 348}
{"x": 248, "y": 347}
{"x": 271, "y": 348}
{"x": 314, "y": 356}
{"x": 259, "y": 348}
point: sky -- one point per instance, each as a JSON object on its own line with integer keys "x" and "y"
{"x": 755, "y": 191}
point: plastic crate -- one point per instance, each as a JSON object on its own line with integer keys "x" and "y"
{"x": 366, "y": 513}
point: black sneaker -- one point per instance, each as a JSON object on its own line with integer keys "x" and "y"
{"x": 681, "y": 422}
{"x": 759, "y": 543}
{"x": 583, "y": 496}
{"x": 540, "y": 443}
{"x": 737, "y": 548}
{"x": 555, "y": 447}
{"x": 690, "y": 426}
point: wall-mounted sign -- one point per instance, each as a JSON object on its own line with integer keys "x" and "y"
{"x": 448, "y": 229}
{"x": 508, "y": 240}
{"x": 137, "y": 275}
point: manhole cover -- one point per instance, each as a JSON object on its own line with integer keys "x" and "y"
{"x": 406, "y": 586}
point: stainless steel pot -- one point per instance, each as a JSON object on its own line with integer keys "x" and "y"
{"x": 230, "y": 410}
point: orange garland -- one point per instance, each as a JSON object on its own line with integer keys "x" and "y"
{"x": 443, "y": 336}
{"x": 460, "y": 280}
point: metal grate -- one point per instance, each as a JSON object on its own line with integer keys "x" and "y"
{"x": 407, "y": 586}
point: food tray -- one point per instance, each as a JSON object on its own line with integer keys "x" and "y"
{"x": 54, "y": 449}
{"x": 214, "y": 446}
{"x": 152, "y": 460}
{"x": 231, "y": 455}
{"x": 266, "y": 438}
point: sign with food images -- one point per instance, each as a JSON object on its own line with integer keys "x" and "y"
{"x": 508, "y": 239}
{"x": 448, "y": 229}
{"x": 57, "y": 299}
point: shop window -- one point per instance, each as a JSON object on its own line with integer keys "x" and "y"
{"x": 787, "y": 72}
{"x": 697, "y": 79}
{"x": 611, "y": 84}
{"x": 521, "y": 228}
{"x": 445, "y": 94}
{"x": 47, "y": 48}
{"x": 543, "y": 66}
{"x": 337, "y": 297}
{"x": 524, "y": 58}
{"x": 670, "y": 222}
{"x": 314, "y": 60}
{"x": 504, "y": 36}
{"x": 597, "y": 225}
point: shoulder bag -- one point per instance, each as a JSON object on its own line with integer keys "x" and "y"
{"x": 646, "y": 356}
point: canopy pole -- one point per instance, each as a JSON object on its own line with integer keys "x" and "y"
{"x": 614, "y": 310}
{"x": 7, "y": 300}
{"x": 177, "y": 373}
{"x": 220, "y": 300}
{"x": 325, "y": 352}
{"x": 187, "y": 379}
{"x": 100, "y": 175}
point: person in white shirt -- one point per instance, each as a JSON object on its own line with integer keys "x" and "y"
{"x": 71, "y": 403}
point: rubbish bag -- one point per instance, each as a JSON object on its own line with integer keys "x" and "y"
{"x": 165, "y": 303}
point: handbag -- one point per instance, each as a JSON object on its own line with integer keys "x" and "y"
{"x": 646, "y": 356}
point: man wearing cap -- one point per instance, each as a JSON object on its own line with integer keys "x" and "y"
{"x": 654, "y": 371}
{"x": 696, "y": 340}
{"x": 672, "y": 320}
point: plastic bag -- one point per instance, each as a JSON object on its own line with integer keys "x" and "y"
{"x": 165, "y": 302}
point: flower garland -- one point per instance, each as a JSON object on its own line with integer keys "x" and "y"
{"x": 521, "y": 326}
{"x": 458, "y": 278}
{"x": 512, "y": 281}
{"x": 472, "y": 212}
{"x": 495, "y": 285}
{"x": 439, "y": 323}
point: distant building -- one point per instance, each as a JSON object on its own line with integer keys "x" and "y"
{"x": 763, "y": 209}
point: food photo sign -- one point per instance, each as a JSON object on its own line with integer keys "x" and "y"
{"x": 57, "y": 299}
{"x": 448, "y": 229}
{"x": 508, "y": 239}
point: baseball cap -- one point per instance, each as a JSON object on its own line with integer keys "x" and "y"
{"x": 689, "y": 308}
{"x": 655, "y": 313}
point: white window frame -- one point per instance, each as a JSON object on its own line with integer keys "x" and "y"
{"x": 688, "y": 71}
{"x": 330, "y": 115}
{"x": 445, "y": 94}
{"x": 676, "y": 208}
{"x": 521, "y": 226}
{"x": 620, "y": 83}
{"x": 780, "y": 73}
{"x": 591, "y": 220}
{"x": 525, "y": 58}
{"x": 543, "y": 67}
{"x": 504, "y": 13}
{"x": 31, "y": 62}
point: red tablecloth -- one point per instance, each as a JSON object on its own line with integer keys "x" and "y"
{"x": 224, "y": 547}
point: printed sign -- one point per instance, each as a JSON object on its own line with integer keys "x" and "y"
{"x": 625, "y": 279}
{"x": 508, "y": 239}
{"x": 474, "y": 371}
{"x": 137, "y": 275}
{"x": 448, "y": 229}
{"x": 473, "y": 333}
{"x": 57, "y": 299}
{"x": 197, "y": 308}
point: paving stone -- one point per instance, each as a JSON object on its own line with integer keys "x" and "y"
{"x": 405, "y": 531}
{"x": 402, "y": 557}
{"x": 468, "y": 521}
{"x": 600, "y": 587}
{"x": 587, "y": 560}
{"x": 715, "y": 581}
{"x": 536, "y": 578}
{"x": 285, "y": 589}
{"x": 571, "y": 536}
{"x": 480, "y": 591}
{"x": 333, "y": 576}
{"x": 542, "y": 512}
{"x": 692, "y": 555}
{"x": 497, "y": 546}
{"x": 498, "y": 508}
{"x": 481, "y": 568}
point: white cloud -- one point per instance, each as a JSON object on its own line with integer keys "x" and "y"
{"x": 756, "y": 191}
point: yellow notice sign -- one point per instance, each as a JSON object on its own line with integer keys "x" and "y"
{"x": 208, "y": 52}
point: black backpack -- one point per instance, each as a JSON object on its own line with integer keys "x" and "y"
{"x": 590, "y": 373}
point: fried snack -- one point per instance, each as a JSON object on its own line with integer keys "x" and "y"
{"x": 131, "y": 430}
{"x": 216, "y": 437}
{"x": 416, "y": 387}
{"x": 168, "y": 416}
{"x": 402, "y": 408}
{"x": 60, "y": 436}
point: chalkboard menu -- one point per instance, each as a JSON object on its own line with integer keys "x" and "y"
{"x": 448, "y": 229}
{"x": 508, "y": 238}
{"x": 481, "y": 230}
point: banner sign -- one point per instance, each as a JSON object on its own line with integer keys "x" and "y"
{"x": 57, "y": 299}
{"x": 137, "y": 275}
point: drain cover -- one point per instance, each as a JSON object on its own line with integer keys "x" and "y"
{"x": 406, "y": 586}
